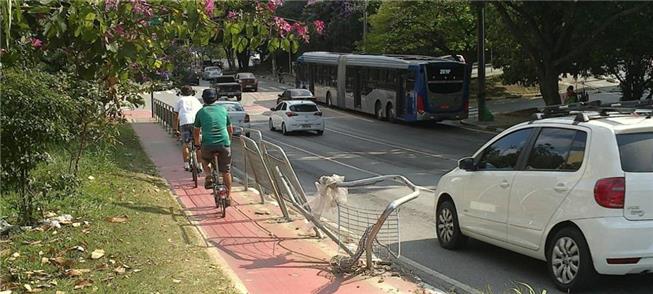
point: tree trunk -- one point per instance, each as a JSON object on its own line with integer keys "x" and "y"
{"x": 243, "y": 60}
{"x": 548, "y": 80}
{"x": 632, "y": 87}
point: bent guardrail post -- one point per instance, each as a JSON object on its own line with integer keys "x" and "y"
{"x": 372, "y": 231}
{"x": 268, "y": 173}
{"x": 309, "y": 216}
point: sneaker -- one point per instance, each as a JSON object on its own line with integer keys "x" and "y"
{"x": 186, "y": 166}
{"x": 208, "y": 184}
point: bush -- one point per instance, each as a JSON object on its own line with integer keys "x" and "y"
{"x": 34, "y": 117}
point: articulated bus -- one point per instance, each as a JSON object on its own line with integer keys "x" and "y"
{"x": 393, "y": 87}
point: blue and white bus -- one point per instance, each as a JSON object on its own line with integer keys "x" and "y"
{"x": 393, "y": 87}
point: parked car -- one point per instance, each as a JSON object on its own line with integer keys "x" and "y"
{"x": 295, "y": 94}
{"x": 237, "y": 115}
{"x": 296, "y": 115}
{"x": 575, "y": 191}
{"x": 211, "y": 73}
{"x": 228, "y": 86}
{"x": 247, "y": 81}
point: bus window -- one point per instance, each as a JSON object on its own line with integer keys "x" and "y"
{"x": 445, "y": 78}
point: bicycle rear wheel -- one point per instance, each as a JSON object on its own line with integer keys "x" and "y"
{"x": 223, "y": 204}
{"x": 193, "y": 166}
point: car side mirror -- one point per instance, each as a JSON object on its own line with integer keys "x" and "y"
{"x": 272, "y": 109}
{"x": 279, "y": 95}
{"x": 467, "y": 164}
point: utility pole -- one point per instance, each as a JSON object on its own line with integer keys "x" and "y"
{"x": 484, "y": 114}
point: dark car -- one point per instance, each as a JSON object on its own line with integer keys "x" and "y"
{"x": 228, "y": 86}
{"x": 295, "y": 94}
{"x": 247, "y": 81}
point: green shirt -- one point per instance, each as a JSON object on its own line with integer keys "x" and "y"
{"x": 213, "y": 120}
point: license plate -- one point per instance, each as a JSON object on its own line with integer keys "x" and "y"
{"x": 306, "y": 126}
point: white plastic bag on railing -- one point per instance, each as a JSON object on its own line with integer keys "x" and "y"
{"x": 328, "y": 195}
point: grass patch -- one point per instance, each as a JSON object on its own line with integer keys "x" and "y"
{"x": 150, "y": 247}
{"x": 495, "y": 89}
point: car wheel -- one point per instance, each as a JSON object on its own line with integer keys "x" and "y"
{"x": 569, "y": 261}
{"x": 447, "y": 227}
{"x": 377, "y": 110}
{"x": 239, "y": 98}
{"x": 283, "y": 129}
{"x": 320, "y": 133}
{"x": 271, "y": 125}
{"x": 256, "y": 89}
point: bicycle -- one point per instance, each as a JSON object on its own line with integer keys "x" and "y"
{"x": 194, "y": 164}
{"x": 219, "y": 188}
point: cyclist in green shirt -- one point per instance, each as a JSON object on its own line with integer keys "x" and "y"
{"x": 212, "y": 121}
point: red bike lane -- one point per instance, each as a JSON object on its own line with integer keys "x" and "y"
{"x": 262, "y": 253}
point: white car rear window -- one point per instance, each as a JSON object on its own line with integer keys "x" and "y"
{"x": 636, "y": 151}
{"x": 303, "y": 108}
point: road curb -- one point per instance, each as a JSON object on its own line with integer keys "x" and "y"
{"x": 482, "y": 127}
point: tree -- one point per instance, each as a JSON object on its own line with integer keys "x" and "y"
{"x": 553, "y": 36}
{"x": 625, "y": 52}
{"x": 34, "y": 117}
{"x": 423, "y": 28}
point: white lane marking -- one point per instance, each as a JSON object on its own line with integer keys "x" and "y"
{"x": 390, "y": 144}
{"x": 438, "y": 275}
{"x": 460, "y": 126}
{"x": 324, "y": 157}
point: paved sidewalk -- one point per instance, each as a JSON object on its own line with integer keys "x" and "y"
{"x": 260, "y": 253}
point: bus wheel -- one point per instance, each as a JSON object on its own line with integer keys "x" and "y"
{"x": 328, "y": 99}
{"x": 377, "y": 110}
{"x": 390, "y": 113}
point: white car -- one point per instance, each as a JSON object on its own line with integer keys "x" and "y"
{"x": 296, "y": 115}
{"x": 576, "y": 192}
{"x": 237, "y": 115}
{"x": 212, "y": 72}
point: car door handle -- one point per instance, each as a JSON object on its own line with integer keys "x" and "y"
{"x": 504, "y": 184}
{"x": 560, "y": 187}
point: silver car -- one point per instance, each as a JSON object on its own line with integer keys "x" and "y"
{"x": 212, "y": 72}
{"x": 237, "y": 114}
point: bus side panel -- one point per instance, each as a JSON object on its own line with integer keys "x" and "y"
{"x": 342, "y": 64}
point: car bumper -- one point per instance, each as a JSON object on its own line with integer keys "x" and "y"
{"x": 250, "y": 86}
{"x": 305, "y": 127}
{"x": 616, "y": 237}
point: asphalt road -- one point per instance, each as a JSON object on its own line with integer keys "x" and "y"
{"x": 357, "y": 146}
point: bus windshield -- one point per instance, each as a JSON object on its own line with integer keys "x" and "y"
{"x": 445, "y": 78}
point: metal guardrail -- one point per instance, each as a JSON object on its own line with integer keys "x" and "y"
{"x": 164, "y": 114}
{"x": 273, "y": 173}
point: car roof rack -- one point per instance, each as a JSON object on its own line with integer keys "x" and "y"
{"x": 586, "y": 111}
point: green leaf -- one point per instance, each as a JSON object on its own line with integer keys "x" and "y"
{"x": 285, "y": 45}
{"x": 90, "y": 17}
{"x": 157, "y": 64}
{"x": 113, "y": 47}
{"x": 274, "y": 44}
{"x": 235, "y": 29}
{"x": 39, "y": 9}
{"x": 294, "y": 46}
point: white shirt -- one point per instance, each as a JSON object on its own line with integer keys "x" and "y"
{"x": 187, "y": 107}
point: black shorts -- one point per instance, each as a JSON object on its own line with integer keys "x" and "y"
{"x": 223, "y": 153}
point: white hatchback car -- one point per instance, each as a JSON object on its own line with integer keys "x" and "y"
{"x": 576, "y": 192}
{"x": 296, "y": 115}
{"x": 237, "y": 115}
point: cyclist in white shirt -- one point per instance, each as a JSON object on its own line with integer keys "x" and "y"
{"x": 185, "y": 110}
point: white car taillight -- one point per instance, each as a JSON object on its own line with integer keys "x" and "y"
{"x": 610, "y": 192}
